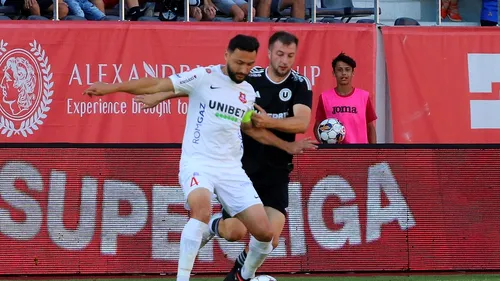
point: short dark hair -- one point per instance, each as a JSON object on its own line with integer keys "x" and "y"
{"x": 284, "y": 37}
{"x": 342, "y": 57}
{"x": 244, "y": 43}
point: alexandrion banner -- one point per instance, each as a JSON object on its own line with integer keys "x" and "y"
{"x": 45, "y": 68}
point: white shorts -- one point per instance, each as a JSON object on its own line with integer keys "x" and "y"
{"x": 233, "y": 188}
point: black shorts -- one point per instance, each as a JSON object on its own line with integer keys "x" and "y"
{"x": 272, "y": 189}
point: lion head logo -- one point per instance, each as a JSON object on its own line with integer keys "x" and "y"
{"x": 25, "y": 85}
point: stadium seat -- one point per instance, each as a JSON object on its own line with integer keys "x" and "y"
{"x": 148, "y": 19}
{"x": 330, "y": 20}
{"x": 288, "y": 12}
{"x": 112, "y": 12}
{"x": 222, "y": 19}
{"x": 346, "y": 7}
{"x": 111, "y": 18}
{"x": 261, "y": 19}
{"x": 365, "y": 21}
{"x": 8, "y": 10}
{"x": 182, "y": 19}
{"x": 295, "y": 20}
{"x": 323, "y": 11}
{"x": 406, "y": 21}
{"x": 73, "y": 17}
{"x": 33, "y": 17}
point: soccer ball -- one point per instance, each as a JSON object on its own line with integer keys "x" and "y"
{"x": 331, "y": 131}
{"x": 263, "y": 278}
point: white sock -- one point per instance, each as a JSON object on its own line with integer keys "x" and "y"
{"x": 257, "y": 253}
{"x": 190, "y": 244}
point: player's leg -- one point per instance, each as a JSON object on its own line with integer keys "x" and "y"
{"x": 198, "y": 190}
{"x": 277, "y": 220}
{"x": 231, "y": 229}
{"x": 273, "y": 192}
{"x": 255, "y": 220}
{"x": 239, "y": 198}
{"x": 224, "y": 226}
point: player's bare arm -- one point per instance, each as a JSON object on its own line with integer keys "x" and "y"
{"x": 143, "y": 86}
{"x": 297, "y": 124}
{"x": 150, "y": 101}
{"x": 372, "y": 133}
{"x": 266, "y": 137}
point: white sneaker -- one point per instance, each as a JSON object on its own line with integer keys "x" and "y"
{"x": 208, "y": 235}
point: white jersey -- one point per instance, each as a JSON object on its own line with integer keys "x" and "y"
{"x": 212, "y": 136}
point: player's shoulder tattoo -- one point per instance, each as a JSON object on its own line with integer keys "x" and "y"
{"x": 257, "y": 71}
{"x": 301, "y": 79}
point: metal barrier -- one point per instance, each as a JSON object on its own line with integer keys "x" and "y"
{"x": 250, "y": 17}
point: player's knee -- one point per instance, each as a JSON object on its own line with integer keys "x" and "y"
{"x": 264, "y": 235}
{"x": 200, "y": 204}
{"x": 201, "y": 213}
{"x": 236, "y": 234}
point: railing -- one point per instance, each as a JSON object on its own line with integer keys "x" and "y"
{"x": 376, "y": 4}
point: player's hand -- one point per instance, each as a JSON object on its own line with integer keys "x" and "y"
{"x": 147, "y": 101}
{"x": 298, "y": 147}
{"x": 100, "y": 89}
{"x": 261, "y": 119}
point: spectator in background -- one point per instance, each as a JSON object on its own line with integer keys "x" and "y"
{"x": 298, "y": 7}
{"x": 449, "y": 8}
{"x": 237, "y": 9}
{"x": 172, "y": 9}
{"x": 84, "y": 9}
{"x": 489, "y": 13}
{"x": 38, "y": 7}
{"x": 351, "y": 106}
{"x": 134, "y": 10}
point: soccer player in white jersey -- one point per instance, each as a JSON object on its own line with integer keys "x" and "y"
{"x": 220, "y": 101}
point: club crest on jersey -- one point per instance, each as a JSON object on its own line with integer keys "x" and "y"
{"x": 243, "y": 97}
{"x": 285, "y": 94}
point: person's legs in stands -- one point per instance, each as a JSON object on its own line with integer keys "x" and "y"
{"x": 91, "y": 11}
{"x": 46, "y": 6}
{"x": 298, "y": 7}
{"x": 230, "y": 8}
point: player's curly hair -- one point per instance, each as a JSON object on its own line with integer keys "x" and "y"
{"x": 244, "y": 43}
{"x": 342, "y": 57}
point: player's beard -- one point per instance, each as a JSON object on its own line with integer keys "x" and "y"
{"x": 279, "y": 73}
{"x": 232, "y": 75}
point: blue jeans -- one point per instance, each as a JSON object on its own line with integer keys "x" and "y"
{"x": 84, "y": 9}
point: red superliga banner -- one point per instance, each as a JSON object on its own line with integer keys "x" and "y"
{"x": 120, "y": 210}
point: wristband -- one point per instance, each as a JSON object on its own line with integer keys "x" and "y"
{"x": 247, "y": 117}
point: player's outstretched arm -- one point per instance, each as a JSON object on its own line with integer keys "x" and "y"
{"x": 297, "y": 124}
{"x": 150, "y": 101}
{"x": 142, "y": 86}
{"x": 264, "y": 136}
